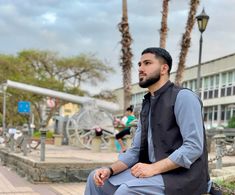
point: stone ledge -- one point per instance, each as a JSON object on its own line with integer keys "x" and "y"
{"x": 43, "y": 172}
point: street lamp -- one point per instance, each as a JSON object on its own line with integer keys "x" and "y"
{"x": 3, "y": 90}
{"x": 202, "y": 21}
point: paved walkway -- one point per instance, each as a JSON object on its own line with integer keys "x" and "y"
{"x": 11, "y": 183}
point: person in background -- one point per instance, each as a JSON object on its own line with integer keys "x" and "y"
{"x": 168, "y": 155}
{"x": 130, "y": 117}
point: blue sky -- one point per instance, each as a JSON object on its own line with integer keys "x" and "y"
{"x": 71, "y": 27}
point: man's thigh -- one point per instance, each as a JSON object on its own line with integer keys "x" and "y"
{"x": 92, "y": 189}
{"x": 138, "y": 190}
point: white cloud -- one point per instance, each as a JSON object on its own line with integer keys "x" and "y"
{"x": 78, "y": 26}
{"x": 49, "y": 18}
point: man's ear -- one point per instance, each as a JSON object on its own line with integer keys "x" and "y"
{"x": 164, "y": 69}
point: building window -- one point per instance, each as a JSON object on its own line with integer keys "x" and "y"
{"x": 136, "y": 99}
{"x": 227, "y": 111}
{"x": 222, "y": 92}
{"x": 210, "y": 94}
{"x": 211, "y": 85}
{"x": 216, "y": 93}
{"x": 215, "y": 114}
{"x": 228, "y": 83}
{"x": 184, "y": 84}
{"x": 210, "y": 113}
{"x": 205, "y": 95}
{"x": 229, "y": 91}
{"x": 222, "y": 114}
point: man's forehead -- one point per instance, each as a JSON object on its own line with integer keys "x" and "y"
{"x": 147, "y": 56}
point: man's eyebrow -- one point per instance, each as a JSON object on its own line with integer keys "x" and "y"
{"x": 146, "y": 61}
{"x": 139, "y": 63}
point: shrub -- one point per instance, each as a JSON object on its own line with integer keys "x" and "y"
{"x": 231, "y": 122}
{"x": 37, "y": 134}
{"x": 227, "y": 186}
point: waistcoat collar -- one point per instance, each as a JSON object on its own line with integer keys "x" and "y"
{"x": 160, "y": 91}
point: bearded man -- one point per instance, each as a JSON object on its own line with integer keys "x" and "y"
{"x": 168, "y": 154}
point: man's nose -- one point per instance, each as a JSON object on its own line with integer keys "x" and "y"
{"x": 140, "y": 69}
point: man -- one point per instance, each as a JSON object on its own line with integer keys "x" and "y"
{"x": 168, "y": 154}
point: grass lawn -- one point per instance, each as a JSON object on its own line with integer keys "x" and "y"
{"x": 227, "y": 186}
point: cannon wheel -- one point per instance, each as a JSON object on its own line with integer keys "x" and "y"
{"x": 88, "y": 120}
{"x": 72, "y": 132}
{"x": 85, "y": 137}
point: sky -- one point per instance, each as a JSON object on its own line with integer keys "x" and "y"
{"x": 72, "y": 27}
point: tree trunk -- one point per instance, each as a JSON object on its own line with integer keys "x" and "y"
{"x": 186, "y": 41}
{"x": 126, "y": 55}
{"x": 164, "y": 29}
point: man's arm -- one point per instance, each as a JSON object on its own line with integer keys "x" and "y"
{"x": 126, "y": 160}
{"x": 188, "y": 113}
{"x": 142, "y": 170}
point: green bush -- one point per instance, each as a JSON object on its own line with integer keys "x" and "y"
{"x": 37, "y": 134}
{"x": 231, "y": 122}
{"x": 226, "y": 185}
{"x": 50, "y": 134}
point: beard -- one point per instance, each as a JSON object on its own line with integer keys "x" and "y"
{"x": 153, "y": 78}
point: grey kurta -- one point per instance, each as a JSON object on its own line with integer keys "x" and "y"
{"x": 189, "y": 119}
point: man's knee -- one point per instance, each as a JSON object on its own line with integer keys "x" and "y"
{"x": 91, "y": 176}
{"x": 90, "y": 184}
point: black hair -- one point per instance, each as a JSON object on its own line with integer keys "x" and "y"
{"x": 130, "y": 108}
{"x": 160, "y": 53}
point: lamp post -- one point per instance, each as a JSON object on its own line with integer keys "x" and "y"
{"x": 202, "y": 21}
{"x": 4, "y": 88}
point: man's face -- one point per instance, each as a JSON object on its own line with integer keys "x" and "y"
{"x": 149, "y": 70}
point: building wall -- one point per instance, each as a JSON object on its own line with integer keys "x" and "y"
{"x": 69, "y": 109}
{"x": 217, "y": 91}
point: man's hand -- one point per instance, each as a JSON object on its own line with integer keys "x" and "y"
{"x": 142, "y": 170}
{"x": 101, "y": 175}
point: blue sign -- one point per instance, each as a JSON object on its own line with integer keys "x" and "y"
{"x": 24, "y": 107}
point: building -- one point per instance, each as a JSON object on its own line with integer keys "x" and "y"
{"x": 217, "y": 91}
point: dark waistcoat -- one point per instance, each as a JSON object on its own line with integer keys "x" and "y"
{"x": 166, "y": 139}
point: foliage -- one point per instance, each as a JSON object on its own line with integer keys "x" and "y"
{"x": 231, "y": 122}
{"x": 48, "y": 70}
{"x": 106, "y": 95}
{"x": 37, "y": 134}
{"x": 83, "y": 68}
{"x": 229, "y": 185}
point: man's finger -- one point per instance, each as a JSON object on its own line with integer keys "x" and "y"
{"x": 135, "y": 167}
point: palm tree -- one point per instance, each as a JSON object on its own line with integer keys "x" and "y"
{"x": 126, "y": 54}
{"x": 164, "y": 29}
{"x": 186, "y": 41}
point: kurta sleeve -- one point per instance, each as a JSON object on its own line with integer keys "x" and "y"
{"x": 189, "y": 119}
{"x": 131, "y": 156}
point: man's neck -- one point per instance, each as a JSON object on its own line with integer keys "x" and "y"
{"x": 156, "y": 86}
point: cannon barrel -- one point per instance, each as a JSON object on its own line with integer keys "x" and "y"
{"x": 109, "y": 106}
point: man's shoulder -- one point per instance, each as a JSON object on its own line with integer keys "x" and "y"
{"x": 187, "y": 96}
{"x": 187, "y": 93}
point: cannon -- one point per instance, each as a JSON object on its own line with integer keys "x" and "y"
{"x": 88, "y": 123}
{"x": 94, "y": 118}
